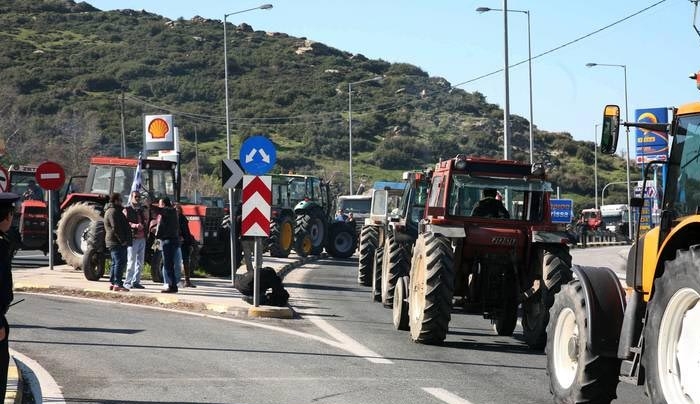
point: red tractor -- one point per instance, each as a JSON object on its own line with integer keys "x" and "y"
{"x": 485, "y": 242}
{"x": 31, "y": 220}
{"x": 113, "y": 174}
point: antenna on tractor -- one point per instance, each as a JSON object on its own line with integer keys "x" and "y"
{"x": 695, "y": 16}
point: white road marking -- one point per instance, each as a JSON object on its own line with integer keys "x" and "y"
{"x": 348, "y": 343}
{"x": 48, "y": 390}
{"x": 446, "y": 396}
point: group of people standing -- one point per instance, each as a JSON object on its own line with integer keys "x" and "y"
{"x": 126, "y": 233}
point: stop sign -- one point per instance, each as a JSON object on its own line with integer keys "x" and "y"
{"x": 50, "y": 176}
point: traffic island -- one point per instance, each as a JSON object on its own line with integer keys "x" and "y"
{"x": 271, "y": 312}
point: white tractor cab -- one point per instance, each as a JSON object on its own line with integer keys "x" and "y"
{"x": 359, "y": 205}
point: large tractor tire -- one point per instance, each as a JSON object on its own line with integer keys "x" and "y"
{"x": 342, "y": 240}
{"x": 672, "y": 333}
{"x": 369, "y": 237}
{"x": 377, "y": 274}
{"x": 281, "y": 236}
{"x": 555, "y": 263}
{"x": 309, "y": 228}
{"x": 155, "y": 260}
{"x": 74, "y": 221}
{"x": 575, "y": 374}
{"x": 396, "y": 264}
{"x": 507, "y": 314}
{"x": 93, "y": 264}
{"x": 431, "y": 289}
{"x": 400, "y": 308}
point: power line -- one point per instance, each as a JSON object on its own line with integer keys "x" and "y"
{"x": 563, "y": 45}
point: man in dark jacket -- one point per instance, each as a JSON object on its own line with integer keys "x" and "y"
{"x": 489, "y": 206}
{"x": 168, "y": 232}
{"x": 268, "y": 280}
{"x": 7, "y": 247}
{"x": 117, "y": 240}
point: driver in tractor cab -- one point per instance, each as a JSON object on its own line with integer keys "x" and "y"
{"x": 490, "y": 205}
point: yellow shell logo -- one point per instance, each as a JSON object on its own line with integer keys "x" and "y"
{"x": 158, "y": 128}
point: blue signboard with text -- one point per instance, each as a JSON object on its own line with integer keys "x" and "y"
{"x": 562, "y": 210}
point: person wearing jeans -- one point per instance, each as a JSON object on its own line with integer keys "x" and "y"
{"x": 169, "y": 235}
{"x": 117, "y": 240}
{"x": 136, "y": 215}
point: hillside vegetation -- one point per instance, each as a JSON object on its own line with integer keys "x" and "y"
{"x": 69, "y": 70}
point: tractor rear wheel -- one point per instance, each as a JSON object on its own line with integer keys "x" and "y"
{"x": 93, "y": 264}
{"x": 310, "y": 227}
{"x": 395, "y": 265}
{"x": 368, "y": 244}
{"x": 575, "y": 374}
{"x": 342, "y": 240}
{"x": 281, "y": 236}
{"x": 671, "y": 334}
{"x": 74, "y": 221}
{"x": 555, "y": 263}
{"x": 431, "y": 289}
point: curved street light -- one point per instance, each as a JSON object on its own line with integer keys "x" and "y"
{"x": 232, "y": 211}
{"x": 529, "y": 66}
{"x": 627, "y": 157}
{"x": 377, "y": 78}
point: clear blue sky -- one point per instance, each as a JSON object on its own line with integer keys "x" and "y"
{"x": 448, "y": 38}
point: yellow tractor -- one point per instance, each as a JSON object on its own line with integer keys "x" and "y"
{"x": 647, "y": 333}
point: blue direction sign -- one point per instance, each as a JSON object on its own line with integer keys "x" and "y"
{"x": 562, "y": 210}
{"x": 258, "y": 155}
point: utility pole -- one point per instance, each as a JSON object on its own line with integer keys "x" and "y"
{"x": 121, "y": 104}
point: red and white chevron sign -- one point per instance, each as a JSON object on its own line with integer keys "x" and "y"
{"x": 257, "y": 198}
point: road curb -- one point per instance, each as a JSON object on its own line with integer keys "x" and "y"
{"x": 13, "y": 394}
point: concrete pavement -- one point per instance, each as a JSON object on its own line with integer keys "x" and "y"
{"x": 216, "y": 295}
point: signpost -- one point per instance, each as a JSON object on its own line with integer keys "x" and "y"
{"x": 50, "y": 176}
{"x": 258, "y": 156}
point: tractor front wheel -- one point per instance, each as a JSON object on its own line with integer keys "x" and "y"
{"x": 555, "y": 264}
{"x": 575, "y": 374}
{"x": 281, "y": 237}
{"x": 368, "y": 244}
{"x": 93, "y": 264}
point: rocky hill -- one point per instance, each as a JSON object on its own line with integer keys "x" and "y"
{"x": 69, "y": 73}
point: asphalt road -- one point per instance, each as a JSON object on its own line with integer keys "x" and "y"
{"x": 343, "y": 350}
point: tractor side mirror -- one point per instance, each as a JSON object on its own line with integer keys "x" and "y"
{"x": 611, "y": 129}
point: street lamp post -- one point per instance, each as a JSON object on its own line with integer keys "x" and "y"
{"x": 627, "y": 157}
{"x": 377, "y": 78}
{"x": 232, "y": 211}
{"x": 602, "y": 193}
{"x": 529, "y": 66}
{"x": 595, "y": 165}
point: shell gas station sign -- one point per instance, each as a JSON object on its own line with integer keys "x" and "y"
{"x": 158, "y": 132}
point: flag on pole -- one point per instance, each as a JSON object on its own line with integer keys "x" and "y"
{"x": 136, "y": 185}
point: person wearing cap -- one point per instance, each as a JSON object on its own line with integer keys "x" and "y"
{"x": 7, "y": 210}
{"x": 117, "y": 239}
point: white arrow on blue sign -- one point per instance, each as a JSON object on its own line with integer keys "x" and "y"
{"x": 258, "y": 155}
{"x": 231, "y": 173}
